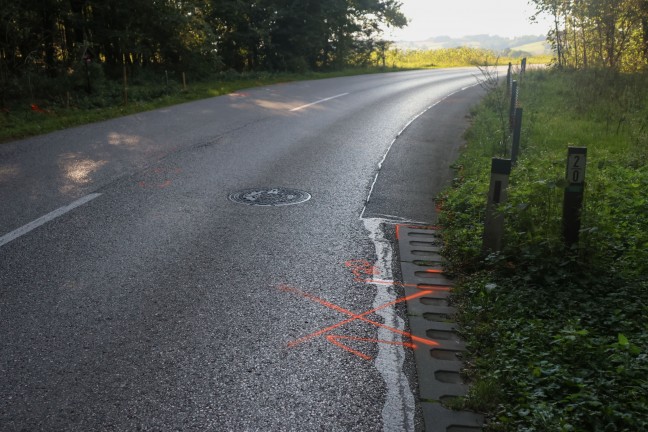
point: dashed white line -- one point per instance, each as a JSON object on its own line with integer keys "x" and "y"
{"x": 318, "y": 102}
{"x": 13, "y": 235}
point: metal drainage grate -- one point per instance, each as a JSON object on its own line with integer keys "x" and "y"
{"x": 270, "y": 197}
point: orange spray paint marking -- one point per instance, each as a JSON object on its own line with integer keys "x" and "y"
{"x": 335, "y": 340}
{"x": 361, "y": 269}
{"x": 435, "y": 271}
{"x": 36, "y": 108}
{"x": 356, "y": 317}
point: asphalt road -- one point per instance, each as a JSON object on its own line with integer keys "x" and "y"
{"x": 157, "y": 303}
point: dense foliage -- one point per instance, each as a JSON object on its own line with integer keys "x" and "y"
{"x": 80, "y": 41}
{"x": 558, "y": 337}
{"x": 599, "y": 33}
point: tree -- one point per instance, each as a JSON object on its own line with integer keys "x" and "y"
{"x": 609, "y": 33}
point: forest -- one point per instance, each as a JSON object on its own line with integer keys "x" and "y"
{"x": 598, "y": 33}
{"x": 50, "y": 39}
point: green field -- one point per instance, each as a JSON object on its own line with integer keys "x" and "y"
{"x": 535, "y": 48}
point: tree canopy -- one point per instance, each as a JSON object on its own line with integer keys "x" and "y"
{"x": 55, "y": 37}
{"x": 599, "y": 33}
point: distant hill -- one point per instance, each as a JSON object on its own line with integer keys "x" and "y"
{"x": 535, "y": 45}
{"x": 534, "y": 48}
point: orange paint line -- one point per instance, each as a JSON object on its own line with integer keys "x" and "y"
{"x": 398, "y": 232}
{"x": 319, "y": 333}
{"x": 335, "y": 340}
{"x": 400, "y": 284}
{"x": 354, "y": 316}
{"x": 360, "y": 268}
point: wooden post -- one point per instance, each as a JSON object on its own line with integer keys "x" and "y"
{"x": 184, "y": 81}
{"x": 509, "y": 80}
{"x": 514, "y": 101}
{"x": 497, "y": 195}
{"x": 517, "y": 135}
{"x": 574, "y": 192}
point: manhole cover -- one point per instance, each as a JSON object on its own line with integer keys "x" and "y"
{"x": 270, "y": 197}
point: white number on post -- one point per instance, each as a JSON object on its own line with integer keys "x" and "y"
{"x": 576, "y": 169}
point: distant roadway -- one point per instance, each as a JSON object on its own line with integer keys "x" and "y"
{"x": 135, "y": 295}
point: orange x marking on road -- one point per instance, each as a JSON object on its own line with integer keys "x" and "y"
{"x": 335, "y": 339}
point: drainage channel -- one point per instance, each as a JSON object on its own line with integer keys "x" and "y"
{"x": 430, "y": 317}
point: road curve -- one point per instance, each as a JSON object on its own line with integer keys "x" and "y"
{"x": 135, "y": 295}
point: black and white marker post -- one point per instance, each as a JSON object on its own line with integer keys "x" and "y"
{"x": 573, "y": 200}
{"x": 497, "y": 195}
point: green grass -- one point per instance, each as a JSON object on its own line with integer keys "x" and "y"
{"x": 558, "y": 337}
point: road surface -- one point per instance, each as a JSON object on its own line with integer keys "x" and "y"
{"x": 136, "y": 295}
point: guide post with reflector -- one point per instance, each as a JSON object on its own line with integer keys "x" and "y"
{"x": 497, "y": 195}
{"x": 574, "y": 192}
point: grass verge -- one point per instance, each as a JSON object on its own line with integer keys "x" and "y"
{"x": 558, "y": 338}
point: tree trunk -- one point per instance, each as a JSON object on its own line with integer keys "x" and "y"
{"x": 644, "y": 27}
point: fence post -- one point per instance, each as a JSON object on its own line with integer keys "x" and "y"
{"x": 574, "y": 192}
{"x": 497, "y": 195}
{"x": 523, "y": 65}
{"x": 509, "y": 78}
{"x": 514, "y": 101}
{"x": 517, "y": 135}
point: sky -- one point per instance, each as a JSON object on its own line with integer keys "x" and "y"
{"x": 456, "y": 18}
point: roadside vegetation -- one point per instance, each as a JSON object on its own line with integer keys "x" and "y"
{"x": 558, "y": 337}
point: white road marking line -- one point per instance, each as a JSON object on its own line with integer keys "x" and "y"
{"x": 317, "y": 102}
{"x": 398, "y": 135}
{"x": 44, "y": 219}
